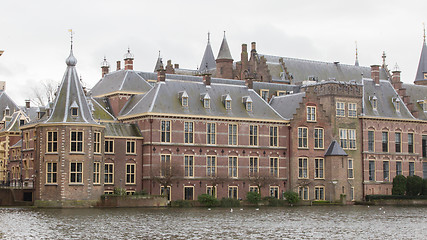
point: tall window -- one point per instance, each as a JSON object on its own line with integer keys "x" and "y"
{"x": 311, "y": 114}
{"x": 210, "y": 133}
{"x": 398, "y": 142}
{"x": 253, "y": 135}
{"x": 318, "y": 138}
{"x": 264, "y": 94}
{"x": 385, "y": 141}
{"x": 27, "y": 140}
{"x": 352, "y": 193}
{"x": 109, "y": 146}
{"x": 274, "y": 166}
{"x": 273, "y": 136}
{"x": 232, "y": 134}
{"x": 398, "y": 168}
{"x": 52, "y": 142}
{"x": 76, "y": 141}
{"x": 319, "y": 193}
{"x": 76, "y": 172}
{"x": 371, "y": 170}
{"x": 274, "y": 192}
{"x": 130, "y": 173}
{"x": 189, "y": 166}
{"x": 96, "y": 173}
{"x": 352, "y": 110}
{"x": 303, "y": 193}
{"x": 97, "y": 142}
{"x": 340, "y": 109}
{"x": 386, "y": 171}
{"x": 424, "y": 146}
{"x": 318, "y": 168}
{"x": 351, "y": 139}
{"x": 411, "y": 168}
{"x": 343, "y": 138}
{"x": 253, "y": 166}
{"x": 228, "y": 104}
{"x": 371, "y": 143}
{"x": 302, "y": 168}
{"x": 189, "y": 193}
{"x": 211, "y": 166}
{"x": 165, "y": 131}
{"x": 350, "y": 169}
{"x": 109, "y": 173}
{"x": 188, "y": 132}
{"x": 410, "y": 143}
{"x": 211, "y": 191}
{"x": 232, "y": 167}
{"x": 130, "y": 147}
{"x": 165, "y": 165}
{"x": 232, "y": 192}
{"x": 51, "y": 172}
{"x": 166, "y": 192}
{"x": 206, "y": 103}
{"x": 302, "y": 137}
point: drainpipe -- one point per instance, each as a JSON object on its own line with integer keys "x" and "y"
{"x": 289, "y": 158}
{"x": 363, "y": 161}
{"x": 151, "y": 154}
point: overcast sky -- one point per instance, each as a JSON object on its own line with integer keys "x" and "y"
{"x": 36, "y": 41}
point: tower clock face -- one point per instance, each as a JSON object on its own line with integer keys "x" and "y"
{"x": 425, "y": 75}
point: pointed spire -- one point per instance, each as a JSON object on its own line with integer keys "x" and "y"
{"x": 424, "y": 25}
{"x": 421, "y": 76}
{"x": 208, "y": 60}
{"x": 224, "y": 50}
{"x": 159, "y": 64}
{"x": 356, "y": 63}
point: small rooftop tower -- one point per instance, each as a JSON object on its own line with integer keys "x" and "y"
{"x": 128, "y": 57}
{"x": 105, "y": 66}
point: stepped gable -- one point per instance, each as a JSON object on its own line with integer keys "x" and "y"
{"x": 386, "y": 98}
{"x": 301, "y": 70}
{"x": 122, "y": 81}
{"x": 164, "y": 99}
{"x": 70, "y": 95}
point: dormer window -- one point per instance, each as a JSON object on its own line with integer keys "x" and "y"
{"x": 74, "y": 109}
{"x": 184, "y": 98}
{"x": 227, "y": 101}
{"x": 281, "y": 93}
{"x": 397, "y": 104}
{"x": 264, "y": 94}
{"x": 248, "y": 103}
{"x": 423, "y": 104}
{"x": 425, "y": 75}
{"x": 374, "y": 102}
{"x": 21, "y": 122}
{"x": 206, "y": 99}
{"x": 7, "y": 111}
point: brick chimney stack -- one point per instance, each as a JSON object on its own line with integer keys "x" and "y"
{"x": 27, "y": 103}
{"x": 253, "y": 47}
{"x": 375, "y": 73}
{"x": 118, "y": 65}
{"x": 207, "y": 79}
{"x": 161, "y": 75}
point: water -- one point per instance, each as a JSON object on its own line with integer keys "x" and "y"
{"x": 316, "y": 222}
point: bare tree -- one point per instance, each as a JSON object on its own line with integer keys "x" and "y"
{"x": 262, "y": 180}
{"x": 165, "y": 173}
{"x": 217, "y": 179}
{"x": 44, "y": 92}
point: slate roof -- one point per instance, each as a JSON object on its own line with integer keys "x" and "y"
{"x": 302, "y": 69}
{"x": 125, "y": 81}
{"x": 208, "y": 60}
{"x": 14, "y": 123}
{"x": 121, "y": 130}
{"x": 335, "y": 149}
{"x": 99, "y": 109}
{"x": 224, "y": 51}
{"x": 70, "y": 92}
{"x": 422, "y": 65}
{"x": 6, "y": 101}
{"x": 287, "y": 105}
{"x": 386, "y": 100}
{"x": 164, "y": 99}
{"x": 416, "y": 93}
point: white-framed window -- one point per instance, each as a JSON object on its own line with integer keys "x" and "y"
{"x": 233, "y": 192}
{"x": 386, "y": 171}
{"x": 348, "y": 138}
{"x": 253, "y": 135}
{"x": 340, "y": 109}
{"x": 130, "y": 146}
{"x": 188, "y": 132}
{"x": 371, "y": 141}
{"x": 264, "y": 94}
{"x": 410, "y": 143}
{"x": 185, "y": 101}
{"x": 350, "y": 169}
{"x": 302, "y": 167}
{"x": 97, "y": 142}
{"x": 228, "y": 104}
{"x": 398, "y": 141}
{"x": 274, "y": 166}
{"x": 206, "y": 103}
{"x": 249, "y": 106}
{"x": 109, "y": 173}
{"x": 302, "y": 137}
{"x": 211, "y": 191}
{"x": 165, "y": 128}
{"x": 398, "y": 168}
{"x": 189, "y": 166}
{"x": 411, "y": 168}
{"x": 253, "y": 189}
{"x": 232, "y": 134}
{"x": 76, "y": 172}
{"x": 211, "y": 166}
{"x": 318, "y": 138}
{"x": 385, "y": 141}
{"x": 210, "y": 133}
{"x": 232, "y": 167}
{"x": 274, "y": 192}
{"x": 352, "y": 110}
{"x": 52, "y": 142}
{"x": 96, "y": 173}
{"x": 319, "y": 193}
{"x": 109, "y": 146}
{"x": 319, "y": 166}
{"x": 273, "y": 136}
{"x": 253, "y": 166}
{"x": 51, "y": 172}
{"x": 76, "y": 141}
{"x": 166, "y": 192}
{"x": 311, "y": 114}
{"x": 374, "y": 104}
{"x": 303, "y": 193}
{"x": 130, "y": 173}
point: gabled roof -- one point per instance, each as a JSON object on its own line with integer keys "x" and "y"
{"x": 224, "y": 51}
{"x": 335, "y": 149}
{"x": 164, "y": 99}
{"x": 417, "y": 93}
{"x": 386, "y": 97}
{"x": 422, "y": 65}
{"x": 99, "y": 111}
{"x": 301, "y": 70}
{"x": 287, "y": 105}
{"x": 122, "y": 81}
{"x": 121, "y": 130}
{"x": 14, "y": 123}
{"x": 6, "y": 101}
{"x": 70, "y": 92}
{"x": 208, "y": 60}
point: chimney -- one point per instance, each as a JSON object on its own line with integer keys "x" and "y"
{"x": 2, "y": 85}
{"x": 118, "y": 65}
{"x": 161, "y": 75}
{"x": 375, "y": 73}
{"x": 27, "y": 103}
{"x": 253, "y": 46}
{"x": 249, "y": 82}
{"x": 207, "y": 79}
{"x": 128, "y": 57}
{"x": 176, "y": 66}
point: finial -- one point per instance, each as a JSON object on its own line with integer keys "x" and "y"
{"x": 384, "y": 57}
{"x": 424, "y": 26}
{"x": 357, "y": 56}
{"x": 224, "y": 34}
{"x": 71, "y": 60}
{"x": 159, "y": 53}
{"x": 71, "y": 36}
{"x": 396, "y": 67}
{"x": 209, "y": 37}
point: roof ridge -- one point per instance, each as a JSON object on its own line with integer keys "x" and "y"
{"x": 309, "y": 60}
